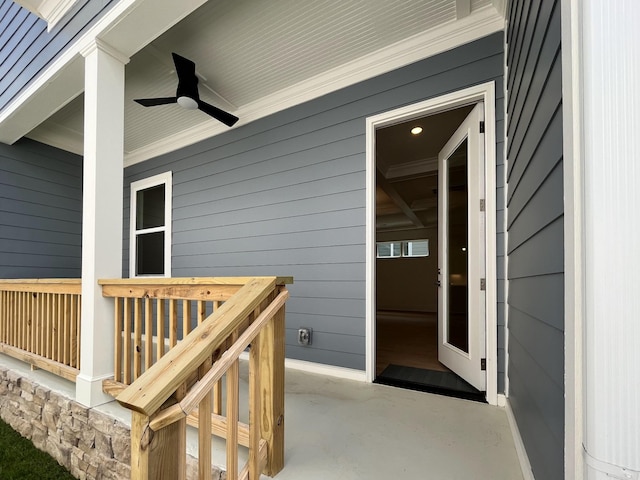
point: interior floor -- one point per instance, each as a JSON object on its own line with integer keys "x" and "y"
{"x": 409, "y": 339}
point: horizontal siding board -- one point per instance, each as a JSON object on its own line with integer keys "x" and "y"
{"x": 545, "y": 206}
{"x": 541, "y": 255}
{"x": 543, "y": 306}
{"x": 29, "y": 208}
{"x": 330, "y": 342}
{"x": 530, "y": 135}
{"x": 301, "y": 222}
{"x": 313, "y": 239}
{"x": 543, "y": 43}
{"x": 40, "y": 220}
{"x": 547, "y": 396}
{"x": 544, "y": 158}
{"x": 11, "y": 192}
{"x": 37, "y": 235}
{"x": 285, "y": 195}
{"x": 339, "y": 325}
{"x": 543, "y": 343}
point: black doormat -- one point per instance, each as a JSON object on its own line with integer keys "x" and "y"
{"x": 431, "y": 381}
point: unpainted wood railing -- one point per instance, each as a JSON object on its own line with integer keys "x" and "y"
{"x": 176, "y": 382}
{"x": 40, "y": 323}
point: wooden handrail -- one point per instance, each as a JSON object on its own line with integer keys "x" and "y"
{"x": 72, "y": 286}
{"x": 181, "y": 387}
{"x": 148, "y": 393}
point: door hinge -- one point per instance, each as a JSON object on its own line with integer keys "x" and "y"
{"x": 481, "y": 127}
{"x": 483, "y": 284}
{"x": 482, "y": 205}
{"x": 483, "y": 364}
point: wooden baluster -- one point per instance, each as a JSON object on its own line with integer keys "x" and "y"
{"x": 47, "y": 326}
{"x": 60, "y": 322}
{"x": 73, "y": 344}
{"x": 67, "y": 329}
{"x": 54, "y": 326}
{"x": 160, "y": 328}
{"x": 173, "y": 323}
{"x": 202, "y": 311}
{"x": 3, "y": 316}
{"x": 186, "y": 318}
{"x": 20, "y": 319}
{"x": 127, "y": 341}
{"x": 255, "y": 434}
{"x": 117, "y": 333}
{"x": 37, "y": 329}
{"x": 217, "y": 388}
{"x": 148, "y": 333}
{"x": 233, "y": 392}
{"x": 32, "y": 322}
{"x": 180, "y": 442}
{"x": 137, "y": 334}
{"x": 204, "y": 428}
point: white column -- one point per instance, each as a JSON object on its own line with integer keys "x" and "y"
{"x": 611, "y": 142}
{"x": 101, "y": 214}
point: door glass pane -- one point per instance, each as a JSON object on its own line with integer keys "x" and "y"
{"x": 457, "y": 193}
{"x": 150, "y": 207}
{"x": 150, "y": 254}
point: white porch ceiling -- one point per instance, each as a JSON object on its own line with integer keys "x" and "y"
{"x": 256, "y": 57}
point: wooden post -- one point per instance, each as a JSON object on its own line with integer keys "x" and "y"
{"x": 271, "y": 347}
{"x": 153, "y": 454}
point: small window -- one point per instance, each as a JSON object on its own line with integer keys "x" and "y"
{"x": 415, "y": 248}
{"x": 150, "y": 245}
{"x": 389, "y": 249}
{"x": 407, "y": 248}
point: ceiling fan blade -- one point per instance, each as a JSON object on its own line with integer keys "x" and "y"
{"x": 225, "y": 117}
{"x": 186, "y": 70}
{"x": 152, "y": 102}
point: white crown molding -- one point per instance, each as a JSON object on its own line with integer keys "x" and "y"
{"x": 51, "y": 11}
{"x": 453, "y": 34}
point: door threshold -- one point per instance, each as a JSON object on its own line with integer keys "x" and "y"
{"x": 429, "y": 381}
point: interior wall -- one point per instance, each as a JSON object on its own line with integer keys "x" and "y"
{"x": 408, "y": 284}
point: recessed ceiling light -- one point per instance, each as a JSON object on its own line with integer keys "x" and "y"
{"x": 464, "y": 249}
{"x": 416, "y": 130}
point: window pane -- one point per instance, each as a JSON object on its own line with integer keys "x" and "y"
{"x": 150, "y": 207}
{"x": 416, "y": 248}
{"x": 150, "y": 254}
{"x": 388, "y": 249}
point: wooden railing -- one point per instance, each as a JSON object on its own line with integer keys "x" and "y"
{"x": 40, "y": 323}
{"x": 177, "y": 381}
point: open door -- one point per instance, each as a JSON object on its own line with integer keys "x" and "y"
{"x": 461, "y": 258}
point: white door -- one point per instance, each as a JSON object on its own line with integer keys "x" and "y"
{"x": 461, "y": 247}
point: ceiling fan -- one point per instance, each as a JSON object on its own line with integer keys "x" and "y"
{"x": 187, "y": 93}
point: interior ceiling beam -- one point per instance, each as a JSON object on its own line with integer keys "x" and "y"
{"x": 463, "y": 8}
{"x": 398, "y": 200}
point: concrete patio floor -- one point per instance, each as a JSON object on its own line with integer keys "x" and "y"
{"x": 349, "y": 430}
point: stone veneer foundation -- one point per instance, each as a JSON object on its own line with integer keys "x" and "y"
{"x": 89, "y": 443}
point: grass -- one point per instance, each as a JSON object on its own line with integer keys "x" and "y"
{"x": 20, "y": 460}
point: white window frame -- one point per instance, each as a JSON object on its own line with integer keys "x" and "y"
{"x": 165, "y": 179}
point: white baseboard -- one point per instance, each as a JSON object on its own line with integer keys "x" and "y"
{"x": 502, "y": 400}
{"x": 525, "y": 465}
{"x": 320, "y": 369}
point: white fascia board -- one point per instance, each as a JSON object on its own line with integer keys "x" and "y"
{"x": 127, "y": 27}
{"x": 446, "y": 37}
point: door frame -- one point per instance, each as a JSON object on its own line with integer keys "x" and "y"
{"x": 484, "y": 92}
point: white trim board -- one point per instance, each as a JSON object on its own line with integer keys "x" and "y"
{"x": 485, "y": 93}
